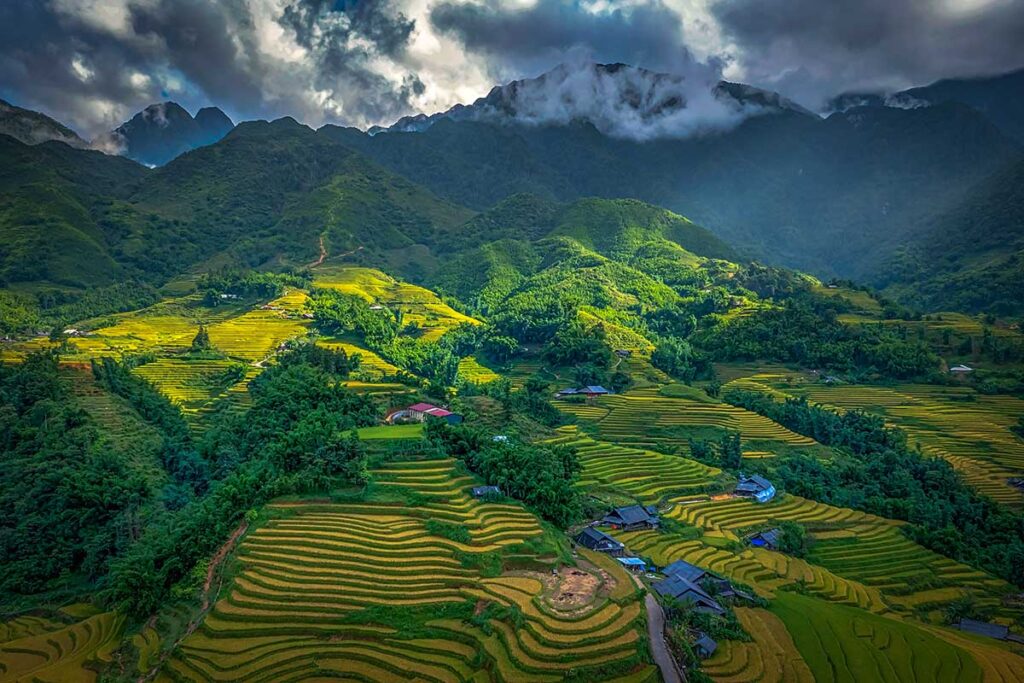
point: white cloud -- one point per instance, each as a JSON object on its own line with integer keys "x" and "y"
{"x": 83, "y": 72}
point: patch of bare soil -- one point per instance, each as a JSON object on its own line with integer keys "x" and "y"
{"x": 572, "y": 589}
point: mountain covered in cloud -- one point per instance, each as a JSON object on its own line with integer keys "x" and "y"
{"x": 32, "y": 127}
{"x": 621, "y": 101}
{"x": 1000, "y": 98}
{"x": 161, "y": 132}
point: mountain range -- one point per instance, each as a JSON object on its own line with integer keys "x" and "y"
{"x": 922, "y": 200}
{"x": 154, "y": 136}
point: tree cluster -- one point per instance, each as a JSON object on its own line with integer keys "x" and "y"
{"x": 542, "y": 477}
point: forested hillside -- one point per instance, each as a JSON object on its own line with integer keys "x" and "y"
{"x": 970, "y": 257}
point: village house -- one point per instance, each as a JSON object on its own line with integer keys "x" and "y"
{"x": 486, "y": 492}
{"x": 592, "y": 539}
{"x": 419, "y": 412}
{"x": 632, "y": 517}
{"x": 623, "y": 353}
{"x": 705, "y": 645}
{"x": 718, "y": 585}
{"x": 678, "y": 588}
{"x": 766, "y": 539}
{"x": 961, "y": 369}
{"x": 588, "y": 392}
{"x": 756, "y": 487}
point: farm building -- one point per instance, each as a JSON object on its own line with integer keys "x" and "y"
{"x": 486, "y": 492}
{"x": 704, "y": 646}
{"x": 756, "y": 487}
{"x": 623, "y": 353}
{"x": 766, "y": 539}
{"x": 592, "y": 539}
{"x": 419, "y": 412}
{"x": 961, "y": 369}
{"x": 587, "y": 392}
{"x": 633, "y": 564}
{"x": 702, "y": 577}
{"x": 632, "y": 517}
{"x": 678, "y": 588}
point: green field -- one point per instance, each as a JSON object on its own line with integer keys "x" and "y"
{"x": 383, "y": 432}
{"x": 842, "y": 644}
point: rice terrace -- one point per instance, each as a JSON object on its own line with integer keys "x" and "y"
{"x": 704, "y": 368}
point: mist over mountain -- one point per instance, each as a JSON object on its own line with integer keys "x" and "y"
{"x": 1000, "y": 98}
{"x": 163, "y": 131}
{"x": 619, "y": 100}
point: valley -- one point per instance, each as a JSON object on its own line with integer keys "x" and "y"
{"x": 410, "y": 572}
{"x": 487, "y": 396}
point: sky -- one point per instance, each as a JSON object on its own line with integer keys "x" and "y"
{"x": 91, "y": 64}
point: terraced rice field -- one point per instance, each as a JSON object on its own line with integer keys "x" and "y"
{"x": 56, "y": 652}
{"x": 736, "y": 514}
{"x": 191, "y": 384}
{"x": 770, "y": 658}
{"x": 644, "y": 475}
{"x": 969, "y": 430}
{"x": 370, "y": 364}
{"x": 840, "y": 643}
{"x": 363, "y": 591}
{"x": 645, "y": 418}
{"x": 256, "y": 334}
{"x": 765, "y": 571}
{"x": 471, "y": 370}
{"x": 885, "y": 559}
{"x": 418, "y": 305}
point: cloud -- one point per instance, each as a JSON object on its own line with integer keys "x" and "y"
{"x": 812, "y": 50}
{"x": 620, "y": 101}
{"x": 95, "y": 63}
{"x": 639, "y": 104}
{"x": 534, "y": 37}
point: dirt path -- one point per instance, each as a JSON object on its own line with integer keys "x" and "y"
{"x": 323, "y": 254}
{"x": 212, "y": 575}
{"x": 670, "y": 672}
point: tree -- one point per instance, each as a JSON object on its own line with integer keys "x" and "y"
{"x": 730, "y": 451}
{"x": 792, "y": 539}
{"x": 674, "y": 356}
{"x": 201, "y": 342}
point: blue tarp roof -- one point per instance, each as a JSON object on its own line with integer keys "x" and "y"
{"x": 632, "y": 562}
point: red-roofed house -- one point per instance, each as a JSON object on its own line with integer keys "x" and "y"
{"x": 418, "y": 412}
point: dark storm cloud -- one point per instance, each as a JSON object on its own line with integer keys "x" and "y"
{"x": 811, "y": 49}
{"x": 60, "y": 56}
{"x": 336, "y": 35}
{"x": 532, "y": 37}
{"x": 37, "y": 49}
{"x": 195, "y": 36}
{"x": 377, "y": 21}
